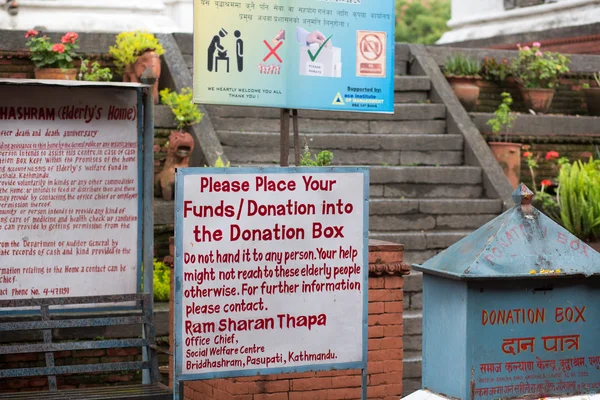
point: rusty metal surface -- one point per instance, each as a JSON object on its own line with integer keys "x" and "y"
{"x": 129, "y": 392}
{"x": 522, "y": 242}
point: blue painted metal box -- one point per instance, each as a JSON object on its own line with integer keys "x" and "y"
{"x": 512, "y": 310}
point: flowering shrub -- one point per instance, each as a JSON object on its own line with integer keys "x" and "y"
{"x": 492, "y": 70}
{"x": 576, "y": 205}
{"x": 535, "y": 69}
{"x": 45, "y": 54}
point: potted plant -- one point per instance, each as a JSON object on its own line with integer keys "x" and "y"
{"x": 537, "y": 74}
{"x": 579, "y": 200}
{"x": 94, "y": 73}
{"x": 462, "y": 74}
{"x": 507, "y": 154}
{"x": 592, "y": 96}
{"x": 53, "y": 60}
{"x": 181, "y": 143}
{"x": 137, "y": 52}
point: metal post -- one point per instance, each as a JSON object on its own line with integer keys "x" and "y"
{"x": 148, "y": 215}
{"x": 284, "y": 139}
{"x": 296, "y": 137}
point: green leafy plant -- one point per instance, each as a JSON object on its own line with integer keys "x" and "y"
{"x": 596, "y": 78}
{"x": 182, "y": 105}
{"x": 492, "y": 70}
{"x": 535, "y": 69}
{"x": 220, "y": 164}
{"x": 162, "y": 281}
{"x": 95, "y": 73}
{"x": 46, "y": 54}
{"x": 459, "y": 65}
{"x": 130, "y": 45}
{"x": 323, "y": 159}
{"x": 585, "y": 85}
{"x": 422, "y": 21}
{"x": 503, "y": 117}
{"x": 579, "y": 198}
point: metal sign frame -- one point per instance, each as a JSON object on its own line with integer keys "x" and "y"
{"x": 178, "y": 377}
{"x": 145, "y": 139}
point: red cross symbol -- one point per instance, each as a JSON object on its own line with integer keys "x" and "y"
{"x": 272, "y": 51}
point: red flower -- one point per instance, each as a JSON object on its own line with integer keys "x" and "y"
{"x": 70, "y": 37}
{"x": 58, "y": 48}
{"x": 527, "y": 154}
{"x": 31, "y": 33}
{"x": 546, "y": 183}
{"x": 551, "y": 155}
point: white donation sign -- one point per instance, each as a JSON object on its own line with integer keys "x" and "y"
{"x": 68, "y": 191}
{"x": 271, "y": 270}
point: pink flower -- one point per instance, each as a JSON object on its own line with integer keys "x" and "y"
{"x": 536, "y": 44}
{"x": 526, "y": 48}
{"x": 551, "y": 155}
{"x": 546, "y": 183}
{"x": 58, "y": 48}
{"x": 538, "y": 53}
{"x": 527, "y": 154}
{"x": 519, "y": 45}
{"x": 70, "y": 37}
{"x": 31, "y": 33}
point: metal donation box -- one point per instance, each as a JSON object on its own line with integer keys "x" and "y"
{"x": 512, "y": 311}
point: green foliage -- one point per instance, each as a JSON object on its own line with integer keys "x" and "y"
{"x": 130, "y": 45}
{"x": 535, "y": 69}
{"x": 323, "y": 159}
{"x": 220, "y": 164}
{"x": 503, "y": 117}
{"x": 421, "y": 21}
{"x": 95, "y": 73}
{"x": 492, "y": 70}
{"x": 162, "y": 281}
{"x": 460, "y": 65}
{"x": 182, "y": 105}
{"x": 46, "y": 54}
{"x": 585, "y": 85}
{"x": 597, "y": 78}
{"x": 579, "y": 198}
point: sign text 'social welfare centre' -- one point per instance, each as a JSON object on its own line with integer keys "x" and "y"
{"x": 303, "y": 54}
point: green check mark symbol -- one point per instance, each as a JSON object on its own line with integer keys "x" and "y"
{"x": 314, "y": 57}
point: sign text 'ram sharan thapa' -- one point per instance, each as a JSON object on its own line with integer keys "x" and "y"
{"x": 272, "y": 269}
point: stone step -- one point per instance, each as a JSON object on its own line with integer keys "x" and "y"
{"x": 347, "y": 141}
{"x": 426, "y": 190}
{"x": 413, "y": 322}
{"x": 307, "y": 125}
{"x": 412, "y": 83}
{"x": 239, "y": 155}
{"x": 415, "y": 239}
{"x": 393, "y": 215}
{"x": 163, "y": 117}
{"x": 410, "y": 97}
{"x": 461, "y": 175}
{"x": 401, "y": 112}
{"x": 350, "y": 149}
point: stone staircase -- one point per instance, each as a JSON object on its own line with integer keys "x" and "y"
{"x": 422, "y": 195}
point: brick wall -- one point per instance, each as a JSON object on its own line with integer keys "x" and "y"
{"x": 385, "y": 350}
{"x": 568, "y": 99}
{"x": 74, "y": 381}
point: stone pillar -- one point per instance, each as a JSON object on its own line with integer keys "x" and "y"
{"x": 385, "y": 348}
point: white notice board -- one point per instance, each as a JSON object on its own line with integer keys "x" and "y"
{"x": 271, "y": 271}
{"x": 70, "y": 204}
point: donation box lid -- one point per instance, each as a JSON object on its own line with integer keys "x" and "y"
{"x": 522, "y": 242}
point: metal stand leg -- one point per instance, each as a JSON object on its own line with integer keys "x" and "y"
{"x": 296, "y": 137}
{"x": 284, "y": 139}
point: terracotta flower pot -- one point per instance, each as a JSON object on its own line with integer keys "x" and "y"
{"x": 68, "y": 74}
{"x": 592, "y": 99}
{"x": 508, "y": 156}
{"x": 467, "y": 91}
{"x": 538, "y": 100}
